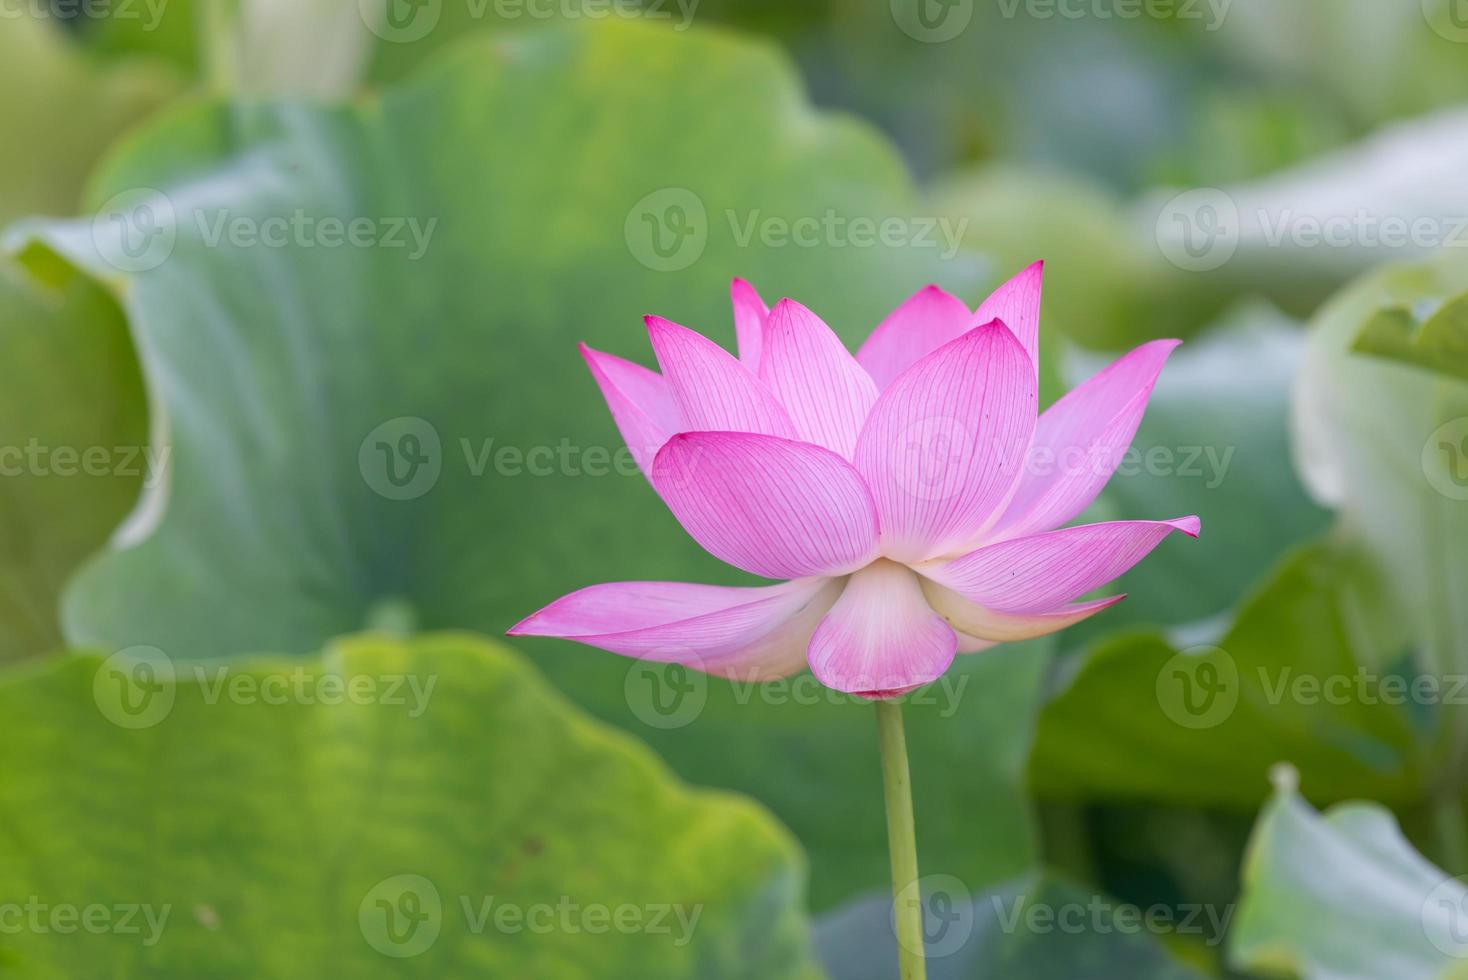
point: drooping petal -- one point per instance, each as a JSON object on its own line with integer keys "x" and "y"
{"x": 771, "y": 506}
{"x": 943, "y": 445}
{"x": 752, "y": 634}
{"x": 924, "y": 322}
{"x": 714, "y": 392}
{"x": 981, "y": 622}
{"x": 641, "y": 403}
{"x": 1081, "y": 439}
{"x": 881, "y": 638}
{"x": 750, "y": 313}
{"x": 825, "y": 392}
{"x": 1017, "y": 303}
{"x": 1043, "y": 572}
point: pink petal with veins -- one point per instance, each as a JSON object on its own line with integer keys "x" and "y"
{"x": 943, "y": 446}
{"x": 825, "y": 392}
{"x": 924, "y": 322}
{"x": 1017, "y": 303}
{"x": 749, "y": 634}
{"x": 642, "y": 405}
{"x": 750, "y": 312}
{"x": 1081, "y": 439}
{"x": 1042, "y": 572}
{"x": 981, "y": 622}
{"x": 714, "y": 392}
{"x": 881, "y": 638}
{"x": 771, "y": 506}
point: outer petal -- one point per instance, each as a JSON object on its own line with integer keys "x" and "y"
{"x": 750, "y": 313}
{"x": 972, "y": 644}
{"x": 770, "y": 506}
{"x": 642, "y": 404}
{"x": 924, "y": 322}
{"x": 974, "y": 620}
{"x": 750, "y": 634}
{"x": 943, "y": 446}
{"x": 881, "y": 638}
{"x": 1080, "y": 440}
{"x": 714, "y": 392}
{"x": 1040, "y": 573}
{"x": 825, "y": 392}
{"x": 1017, "y": 303}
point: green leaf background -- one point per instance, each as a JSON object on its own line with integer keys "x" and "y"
{"x": 273, "y": 377}
{"x": 265, "y": 830}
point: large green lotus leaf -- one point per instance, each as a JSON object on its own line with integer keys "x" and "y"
{"x": 1396, "y": 462}
{"x": 1213, "y": 443}
{"x": 1302, "y": 676}
{"x": 291, "y": 377}
{"x": 394, "y": 808}
{"x": 811, "y": 755}
{"x": 74, "y": 449}
{"x": 1039, "y": 927}
{"x": 61, "y": 111}
{"x": 1344, "y": 896}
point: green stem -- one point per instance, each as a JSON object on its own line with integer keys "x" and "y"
{"x": 907, "y": 900}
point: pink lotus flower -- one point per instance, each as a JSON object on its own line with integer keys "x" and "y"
{"x": 909, "y": 494}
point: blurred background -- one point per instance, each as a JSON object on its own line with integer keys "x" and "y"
{"x": 293, "y": 428}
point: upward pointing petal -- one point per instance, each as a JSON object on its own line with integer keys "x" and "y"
{"x": 714, "y": 392}
{"x": 923, "y": 322}
{"x": 1017, "y": 303}
{"x": 1081, "y": 439}
{"x": 750, "y": 313}
{"x": 826, "y": 393}
{"x": 944, "y": 443}
{"x": 770, "y": 506}
{"x": 642, "y": 405}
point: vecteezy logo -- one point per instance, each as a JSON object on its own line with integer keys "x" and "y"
{"x": 932, "y": 21}
{"x": 135, "y": 688}
{"x": 1199, "y": 687}
{"x": 668, "y": 229}
{"x": 402, "y": 458}
{"x": 400, "y": 21}
{"x": 926, "y": 452}
{"x": 401, "y": 916}
{"x": 1198, "y": 230}
{"x": 1445, "y": 459}
{"x": 665, "y": 694}
{"x": 1448, "y": 18}
{"x": 1445, "y": 917}
{"x": 136, "y": 230}
{"x": 948, "y": 913}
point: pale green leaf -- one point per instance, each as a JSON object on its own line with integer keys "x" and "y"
{"x": 1344, "y": 896}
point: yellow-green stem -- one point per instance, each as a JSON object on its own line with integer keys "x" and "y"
{"x": 907, "y": 899}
